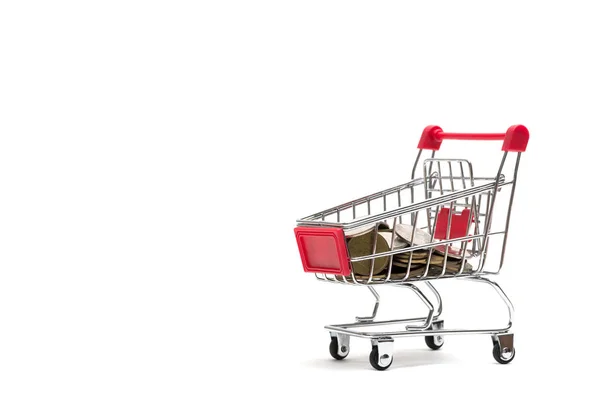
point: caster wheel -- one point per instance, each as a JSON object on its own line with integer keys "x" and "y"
{"x": 503, "y": 356}
{"x": 334, "y": 349}
{"x": 434, "y": 342}
{"x": 374, "y": 359}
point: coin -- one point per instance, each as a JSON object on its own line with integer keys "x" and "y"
{"x": 395, "y": 276}
{"x": 433, "y": 261}
{"x": 417, "y": 254}
{"x": 453, "y": 252}
{"x": 419, "y": 261}
{"x": 363, "y": 245}
{"x": 398, "y": 274}
{"x": 366, "y": 228}
{"x": 421, "y": 237}
{"x": 451, "y": 269}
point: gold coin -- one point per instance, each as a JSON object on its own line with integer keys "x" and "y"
{"x": 415, "y": 254}
{"x": 363, "y": 245}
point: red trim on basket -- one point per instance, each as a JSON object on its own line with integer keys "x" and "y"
{"x": 323, "y": 250}
{"x": 459, "y": 224}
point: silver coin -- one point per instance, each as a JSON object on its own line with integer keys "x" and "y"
{"x": 421, "y": 237}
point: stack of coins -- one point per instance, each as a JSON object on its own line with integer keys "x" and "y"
{"x": 434, "y": 256}
{"x": 421, "y": 257}
{"x": 419, "y": 237}
{"x": 365, "y": 241}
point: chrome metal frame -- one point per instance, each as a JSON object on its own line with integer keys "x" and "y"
{"x": 445, "y": 182}
{"x": 462, "y": 191}
{"x": 425, "y": 329}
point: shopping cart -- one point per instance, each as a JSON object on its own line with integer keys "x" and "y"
{"x": 436, "y": 226}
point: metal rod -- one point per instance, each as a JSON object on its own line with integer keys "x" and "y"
{"x": 509, "y": 211}
{"x": 379, "y": 323}
{"x": 412, "y": 240}
{"x": 438, "y": 297}
{"x": 412, "y": 175}
{"x": 424, "y": 246}
{"x": 406, "y": 209}
{"x": 347, "y": 328}
{"x": 451, "y": 177}
{"x": 431, "y": 241}
{"x": 447, "y": 246}
{"x": 427, "y": 324}
{"x": 372, "y": 317}
{"x": 389, "y": 275}
{"x": 359, "y": 201}
{"x": 375, "y": 235}
{"x": 488, "y": 218}
{"x": 436, "y": 332}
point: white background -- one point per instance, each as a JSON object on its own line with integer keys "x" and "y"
{"x": 154, "y": 157}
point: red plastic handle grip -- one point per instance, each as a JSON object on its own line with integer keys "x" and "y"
{"x": 515, "y": 139}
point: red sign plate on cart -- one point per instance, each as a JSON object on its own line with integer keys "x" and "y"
{"x": 323, "y": 250}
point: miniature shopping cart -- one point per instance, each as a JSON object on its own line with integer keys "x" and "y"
{"x": 436, "y": 226}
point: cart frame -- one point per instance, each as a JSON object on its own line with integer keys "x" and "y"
{"x": 323, "y": 246}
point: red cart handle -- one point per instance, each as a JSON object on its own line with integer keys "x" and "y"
{"x": 515, "y": 139}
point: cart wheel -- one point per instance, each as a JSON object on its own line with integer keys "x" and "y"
{"x": 335, "y": 349}
{"x": 503, "y": 356}
{"x": 374, "y": 359}
{"x": 434, "y": 342}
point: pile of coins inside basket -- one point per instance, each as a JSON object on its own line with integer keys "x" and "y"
{"x": 367, "y": 241}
